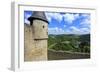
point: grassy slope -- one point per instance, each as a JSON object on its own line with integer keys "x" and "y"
{"x": 69, "y": 42}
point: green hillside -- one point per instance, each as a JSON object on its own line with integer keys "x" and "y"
{"x": 73, "y": 43}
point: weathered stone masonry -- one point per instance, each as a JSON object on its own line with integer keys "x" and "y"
{"x": 36, "y": 35}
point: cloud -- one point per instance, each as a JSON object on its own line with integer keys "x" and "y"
{"x": 55, "y": 30}
{"x": 56, "y": 16}
{"x": 71, "y": 30}
{"x": 26, "y": 16}
{"x": 69, "y": 17}
{"x": 86, "y": 15}
{"x": 85, "y": 22}
{"x": 26, "y": 21}
{"x": 65, "y": 26}
{"x": 75, "y": 30}
{"x": 85, "y": 29}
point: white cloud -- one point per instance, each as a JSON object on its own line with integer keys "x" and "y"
{"x": 56, "y": 16}
{"x": 85, "y": 22}
{"x": 64, "y": 25}
{"x": 26, "y": 18}
{"x": 71, "y": 30}
{"x": 86, "y": 15}
{"x": 27, "y": 15}
{"x": 68, "y": 17}
{"x": 49, "y": 16}
{"x": 26, "y": 21}
{"x": 75, "y": 30}
{"x": 55, "y": 30}
{"x": 85, "y": 29}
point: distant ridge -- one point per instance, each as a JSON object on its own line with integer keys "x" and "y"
{"x": 69, "y": 34}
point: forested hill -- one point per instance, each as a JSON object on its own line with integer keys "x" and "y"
{"x": 68, "y": 37}
{"x": 69, "y": 42}
{"x": 85, "y": 37}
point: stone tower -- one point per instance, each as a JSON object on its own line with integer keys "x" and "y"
{"x": 36, "y": 36}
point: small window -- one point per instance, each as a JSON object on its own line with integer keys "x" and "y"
{"x": 43, "y": 26}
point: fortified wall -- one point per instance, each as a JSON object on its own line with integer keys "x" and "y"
{"x": 35, "y": 37}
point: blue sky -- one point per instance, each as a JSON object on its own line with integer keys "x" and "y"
{"x": 65, "y": 23}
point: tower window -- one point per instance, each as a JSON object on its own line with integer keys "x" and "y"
{"x": 43, "y": 26}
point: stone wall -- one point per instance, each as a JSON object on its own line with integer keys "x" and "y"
{"x": 34, "y": 50}
{"x": 64, "y": 55}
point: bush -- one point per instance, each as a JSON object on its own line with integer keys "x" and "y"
{"x": 62, "y": 46}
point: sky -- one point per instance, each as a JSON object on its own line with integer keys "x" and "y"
{"x": 65, "y": 23}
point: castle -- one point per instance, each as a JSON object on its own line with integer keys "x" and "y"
{"x": 35, "y": 37}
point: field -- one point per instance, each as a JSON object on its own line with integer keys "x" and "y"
{"x": 68, "y": 46}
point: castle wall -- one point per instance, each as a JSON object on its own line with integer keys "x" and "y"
{"x": 35, "y": 42}
{"x": 40, "y": 30}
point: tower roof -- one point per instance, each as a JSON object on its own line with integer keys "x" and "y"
{"x": 38, "y": 15}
